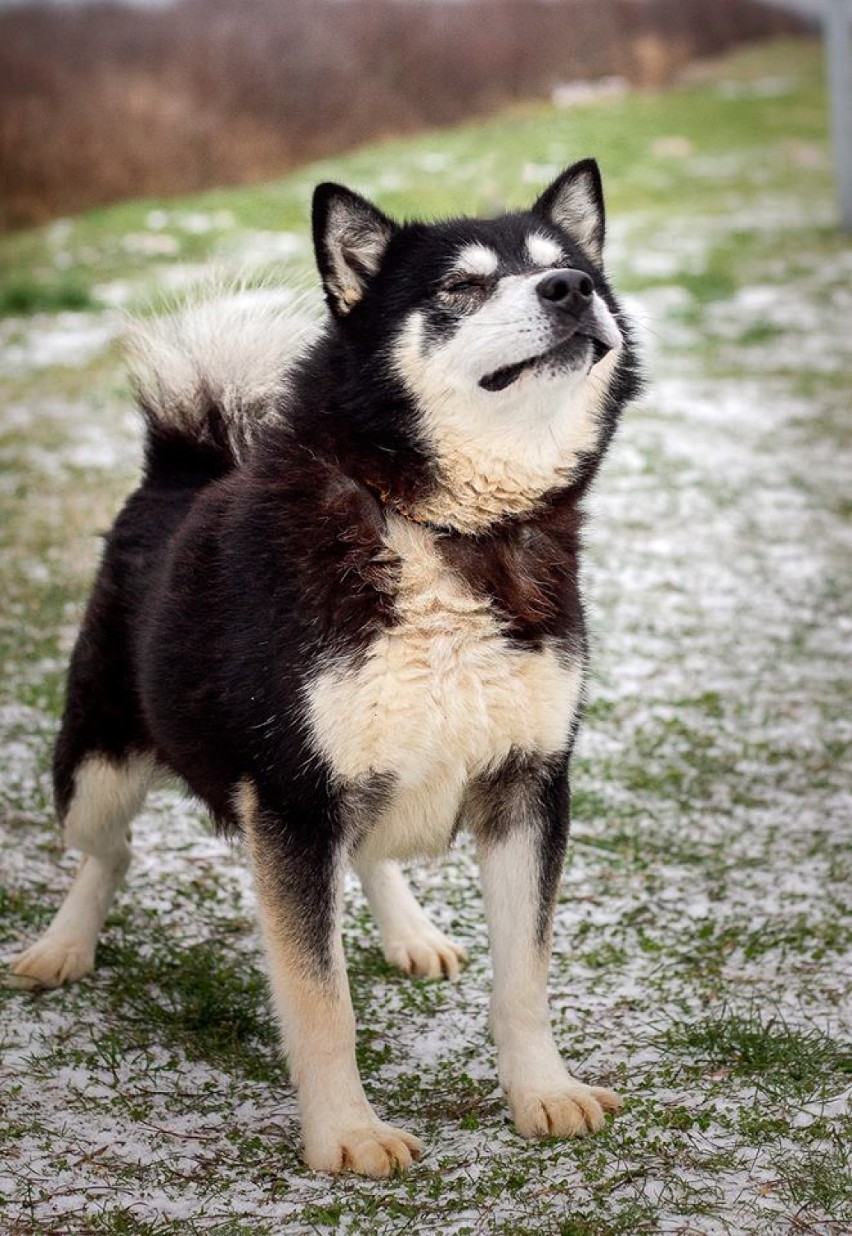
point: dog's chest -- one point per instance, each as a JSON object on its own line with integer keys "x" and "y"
{"x": 440, "y": 697}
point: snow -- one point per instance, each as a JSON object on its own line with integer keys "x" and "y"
{"x": 72, "y": 339}
{"x": 578, "y": 93}
{"x": 714, "y": 576}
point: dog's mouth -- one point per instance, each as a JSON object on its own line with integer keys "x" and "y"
{"x": 589, "y": 336}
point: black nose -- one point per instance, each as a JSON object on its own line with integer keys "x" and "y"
{"x": 568, "y": 290}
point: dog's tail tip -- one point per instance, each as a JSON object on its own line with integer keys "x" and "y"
{"x": 216, "y": 371}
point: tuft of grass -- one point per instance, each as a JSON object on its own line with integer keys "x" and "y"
{"x": 819, "y": 1176}
{"x": 198, "y": 999}
{"x": 780, "y": 1060}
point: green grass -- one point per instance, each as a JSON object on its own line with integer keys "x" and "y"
{"x": 703, "y": 935}
{"x": 738, "y": 147}
{"x": 21, "y": 294}
{"x": 780, "y": 1060}
{"x": 196, "y": 999}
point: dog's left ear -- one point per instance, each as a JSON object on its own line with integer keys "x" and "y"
{"x": 575, "y": 203}
{"x": 350, "y": 238}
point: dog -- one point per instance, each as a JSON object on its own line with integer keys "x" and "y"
{"x": 343, "y": 606}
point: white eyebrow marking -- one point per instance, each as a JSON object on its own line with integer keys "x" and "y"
{"x": 543, "y": 251}
{"x": 477, "y": 260}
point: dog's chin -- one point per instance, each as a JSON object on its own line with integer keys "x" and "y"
{"x": 578, "y": 353}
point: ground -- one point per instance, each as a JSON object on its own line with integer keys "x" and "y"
{"x": 703, "y": 935}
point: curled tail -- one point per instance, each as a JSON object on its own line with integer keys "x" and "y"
{"x": 208, "y": 378}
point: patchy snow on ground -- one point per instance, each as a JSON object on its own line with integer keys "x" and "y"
{"x": 55, "y": 339}
{"x": 702, "y": 956}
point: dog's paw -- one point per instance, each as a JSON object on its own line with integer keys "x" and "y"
{"x": 571, "y": 1110}
{"x": 425, "y": 952}
{"x": 376, "y": 1150}
{"x": 52, "y": 961}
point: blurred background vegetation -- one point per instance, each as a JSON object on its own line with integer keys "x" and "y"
{"x": 105, "y": 101}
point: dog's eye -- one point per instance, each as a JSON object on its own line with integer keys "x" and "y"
{"x": 465, "y": 285}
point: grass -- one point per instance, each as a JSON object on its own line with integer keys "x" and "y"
{"x": 476, "y": 168}
{"x": 196, "y": 999}
{"x": 703, "y": 935}
{"x": 781, "y": 1060}
{"x": 22, "y": 294}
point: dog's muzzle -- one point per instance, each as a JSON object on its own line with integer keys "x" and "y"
{"x": 577, "y": 312}
{"x": 570, "y": 294}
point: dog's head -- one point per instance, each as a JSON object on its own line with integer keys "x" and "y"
{"x": 496, "y": 341}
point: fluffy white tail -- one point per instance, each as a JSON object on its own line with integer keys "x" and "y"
{"x": 220, "y": 365}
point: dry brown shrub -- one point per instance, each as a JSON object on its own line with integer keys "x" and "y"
{"x": 103, "y": 102}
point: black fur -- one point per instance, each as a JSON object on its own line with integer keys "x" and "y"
{"x": 221, "y": 586}
{"x": 530, "y": 792}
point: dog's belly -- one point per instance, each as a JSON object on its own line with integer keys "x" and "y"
{"x": 440, "y": 698}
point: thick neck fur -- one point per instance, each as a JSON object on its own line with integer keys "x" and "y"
{"x": 526, "y": 564}
{"x": 501, "y": 456}
{"x": 529, "y": 568}
{"x": 350, "y": 414}
{"x": 342, "y": 411}
{"x": 482, "y": 481}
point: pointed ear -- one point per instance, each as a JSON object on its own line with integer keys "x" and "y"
{"x": 350, "y": 238}
{"x": 575, "y": 202}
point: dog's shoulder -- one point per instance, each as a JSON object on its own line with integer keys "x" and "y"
{"x": 304, "y": 530}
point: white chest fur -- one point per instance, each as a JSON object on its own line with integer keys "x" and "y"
{"x": 441, "y": 697}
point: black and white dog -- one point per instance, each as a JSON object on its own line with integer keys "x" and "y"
{"x": 343, "y": 606}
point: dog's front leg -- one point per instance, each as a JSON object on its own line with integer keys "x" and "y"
{"x": 521, "y": 824}
{"x": 299, "y": 888}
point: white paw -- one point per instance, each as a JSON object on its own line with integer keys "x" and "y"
{"x": 52, "y": 961}
{"x": 424, "y": 951}
{"x": 569, "y": 1110}
{"x": 373, "y": 1149}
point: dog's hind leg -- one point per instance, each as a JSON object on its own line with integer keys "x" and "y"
{"x": 101, "y": 774}
{"x": 410, "y": 940}
{"x": 106, "y": 796}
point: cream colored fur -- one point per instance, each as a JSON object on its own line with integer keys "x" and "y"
{"x": 544, "y": 1098}
{"x": 410, "y": 941}
{"x": 340, "y": 1129}
{"x": 499, "y": 452}
{"x": 231, "y": 351}
{"x": 577, "y": 210}
{"x": 440, "y": 697}
{"x": 356, "y": 240}
{"x": 107, "y": 795}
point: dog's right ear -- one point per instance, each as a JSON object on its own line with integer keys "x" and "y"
{"x": 350, "y": 238}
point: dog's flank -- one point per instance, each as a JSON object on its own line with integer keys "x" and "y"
{"x": 344, "y": 607}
